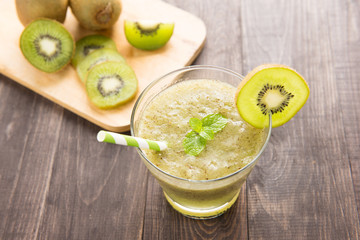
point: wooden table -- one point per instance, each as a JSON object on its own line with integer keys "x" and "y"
{"x": 58, "y": 182}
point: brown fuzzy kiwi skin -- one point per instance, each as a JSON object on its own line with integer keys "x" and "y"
{"x": 259, "y": 68}
{"x": 29, "y": 10}
{"x": 72, "y": 38}
{"x": 96, "y": 14}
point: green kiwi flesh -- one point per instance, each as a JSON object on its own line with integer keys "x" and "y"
{"x": 111, "y": 84}
{"x": 274, "y": 89}
{"x": 148, "y": 35}
{"x": 87, "y": 44}
{"x": 97, "y": 57}
{"x": 47, "y": 45}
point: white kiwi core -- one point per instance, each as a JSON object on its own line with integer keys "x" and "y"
{"x": 110, "y": 85}
{"x": 48, "y": 46}
{"x": 273, "y": 99}
{"x": 148, "y": 25}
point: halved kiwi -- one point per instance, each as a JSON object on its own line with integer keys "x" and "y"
{"x": 111, "y": 84}
{"x": 47, "y": 45}
{"x": 89, "y": 43}
{"x": 148, "y": 35}
{"x": 271, "y": 88}
{"x": 97, "y": 57}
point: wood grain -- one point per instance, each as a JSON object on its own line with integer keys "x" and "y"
{"x": 57, "y": 182}
{"x": 90, "y": 182}
{"x": 311, "y": 191}
{"x": 163, "y": 222}
{"x": 347, "y": 73}
{"x": 30, "y": 185}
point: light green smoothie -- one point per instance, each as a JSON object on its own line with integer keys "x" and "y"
{"x": 167, "y": 116}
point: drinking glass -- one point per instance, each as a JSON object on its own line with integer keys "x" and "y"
{"x": 200, "y": 199}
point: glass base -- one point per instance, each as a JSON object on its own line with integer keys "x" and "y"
{"x": 201, "y": 213}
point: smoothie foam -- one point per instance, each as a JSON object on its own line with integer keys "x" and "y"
{"x": 166, "y": 118}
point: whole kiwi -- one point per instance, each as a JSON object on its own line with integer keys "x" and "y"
{"x": 29, "y": 10}
{"x": 96, "y": 14}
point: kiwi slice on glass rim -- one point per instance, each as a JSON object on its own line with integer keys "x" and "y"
{"x": 47, "y": 45}
{"x": 148, "y": 35}
{"x": 271, "y": 88}
{"x": 87, "y": 44}
{"x": 97, "y": 57}
{"x": 111, "y": 84}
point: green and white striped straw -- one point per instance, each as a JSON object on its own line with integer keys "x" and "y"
{"x": 116, "y": 138}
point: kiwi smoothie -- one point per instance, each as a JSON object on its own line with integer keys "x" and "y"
{"x": 167, "y": 119}
{"x": 208, "y": 184}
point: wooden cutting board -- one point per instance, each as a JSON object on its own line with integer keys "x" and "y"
{"x": 64, "y": 87}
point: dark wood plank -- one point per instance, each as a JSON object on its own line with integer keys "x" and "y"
{"x": 37, "y": 140}
{"x": 347, "y": 74}
{"x": 163, "y": 222}
{"x": 67, "y": 185}
{"x": 15, "y": 136}
{"x": 302, "y": 189}
{"x": 105, "y": 184}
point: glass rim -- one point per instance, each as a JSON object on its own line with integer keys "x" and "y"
{"x": 187, "y": 68}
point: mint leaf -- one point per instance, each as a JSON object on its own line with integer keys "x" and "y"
{"x": 215, "y": 122}
{"x": 195, "y": 124}
{"x": 207, "y": 133}
{"x": 194, "y": 143}
{"x": 202, "y": 130}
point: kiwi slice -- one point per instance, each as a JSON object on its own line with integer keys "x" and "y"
{"x": 148, "y": 35}
{"x": 97, "y": 57}
{"x": 87, "y": 44}
{"x": 47, "y": 45}
{"x": 271, "y": 88}
{"x": 111, "y": 84}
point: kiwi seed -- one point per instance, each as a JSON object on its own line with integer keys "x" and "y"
{"x": 271, "y": 89}
{"x": 111, "y": 84}
{"x": 146, "y": 30}
{"x": 47, "y": 45}
{"x": 90, "y": 48}
{"x": 90, "y": 43}
{"x": 96, "y": 57}
{"x": 148, "y": 35}
{"x": 282, "y": 94}
{"x": 114, "y": 80}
